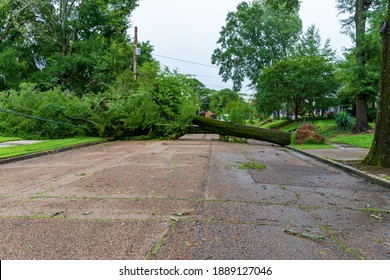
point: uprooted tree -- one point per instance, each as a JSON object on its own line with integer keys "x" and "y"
{"x": 161, "y": 104}
{"x": 210, "y": 126}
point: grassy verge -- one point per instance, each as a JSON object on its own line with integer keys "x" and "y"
{"x": 321, "y": 125}
{"x": 274, "y": 124}
{"x": 312, "y": 146}
{"x": 358, "y": 140}
{"x": 45, "y": 146}
{"x": 327, "y": 128}
{"x": 6, "y": 139}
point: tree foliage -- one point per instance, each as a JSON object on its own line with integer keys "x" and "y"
{"x": 160, "y": 103}
{"x": 291, "y": 5}
{"x": 81, "y": 45}
{"x": 362, "y": 19}
{"x": 255, "y": 36}
{"x": 295, "y": 83}
{"x": 219, "y": 100}
{"x": 299, "y": 82}
{"x": 32, "y": 113}
{"x": 239, "y": 111}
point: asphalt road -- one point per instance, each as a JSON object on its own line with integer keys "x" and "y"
{"x": 189, "y": 199}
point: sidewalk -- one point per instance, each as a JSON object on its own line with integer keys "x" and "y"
{"x": 348, "y": 158}
{"x": 340, "y": 153}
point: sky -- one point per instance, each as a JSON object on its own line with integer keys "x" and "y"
{"x": 189, "y": 30}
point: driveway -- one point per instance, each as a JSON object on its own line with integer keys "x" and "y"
{"x": 189, "y": 199}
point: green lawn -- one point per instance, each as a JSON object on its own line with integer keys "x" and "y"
{"x": 359, "y": 140}
{"x": 327, "y": 128}
{"x": 323, "y": 127}
{"x": 274, "y": 124}
{"x": 6, "y": 139}
{"x": 45, "y": 146}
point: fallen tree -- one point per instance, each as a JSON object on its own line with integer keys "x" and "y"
{"x": 53, "y": 114}
{"x": 210, "y": 126}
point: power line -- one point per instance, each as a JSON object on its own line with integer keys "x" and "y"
{"x": 34, "y": 117}
{"x": 221, "y": 86}
{"x": 186, "y": 61}
{"x": 204, "y": 76}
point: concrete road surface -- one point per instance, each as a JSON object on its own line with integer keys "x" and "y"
{"x": 189, "y": 199}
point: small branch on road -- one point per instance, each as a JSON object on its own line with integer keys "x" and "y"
{"x": 304, "y": 235}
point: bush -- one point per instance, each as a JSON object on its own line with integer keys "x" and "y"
{"x": 344, "y": 121}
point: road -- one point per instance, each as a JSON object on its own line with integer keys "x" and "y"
{"x": 189, "y": 199}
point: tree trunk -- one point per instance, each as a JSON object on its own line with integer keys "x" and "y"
{"x": 361, "y": 115}
{"x": 210, "y": 126}
{"x": 379, "y": 154}
{"x": 296, "y": 113}
{"x": 361, "y": 99}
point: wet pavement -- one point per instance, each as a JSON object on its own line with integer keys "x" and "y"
{"x": 340, "y": 153}
{"x": 189, "y": 199}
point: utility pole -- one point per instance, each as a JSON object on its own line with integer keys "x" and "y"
{"x": 135, "y": 52}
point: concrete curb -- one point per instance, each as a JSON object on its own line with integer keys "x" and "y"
{"x": 48, "y": 152}
{"x": 369, "y": 177}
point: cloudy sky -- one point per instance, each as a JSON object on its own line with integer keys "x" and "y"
{"x": 189, "y": 29}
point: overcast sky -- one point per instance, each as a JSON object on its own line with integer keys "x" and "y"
{"x": 189, "y": 30}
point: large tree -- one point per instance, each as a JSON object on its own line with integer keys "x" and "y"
{"x": 81, "y": 45}
{"x": 16, "y": 57}
{"x": 295, "y": 83}
{"x": 379, "y": 154}
{"x": 256, "y": 35}
{"x": 357, "y": 25}
{"x": 300, "y": 81}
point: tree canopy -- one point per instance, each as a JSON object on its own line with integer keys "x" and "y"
{"x": 255, "y": 36}
{"x": 295, "y": 82}
{"x": 362, "y": 19}
{"x": 81, "y": 45}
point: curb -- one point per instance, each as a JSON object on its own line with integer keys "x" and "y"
{"x": 48, "y": 152}
{"x": 369, "y": 177}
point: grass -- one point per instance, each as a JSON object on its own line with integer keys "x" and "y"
{"x": 321, "y": 125}
{"x": 6, "y": 139}
{"x": 312, "y": 146}
{"x": 274, "y": 124}
{"x": 156, "y": 248}
{"x": 305, "y": 235}
{"x": 327, "y": 128}
{"x": 358, "y": 140}
{"x": 251, "y": 165}
{"x": 45, "y": 146}
{"x": 376, "y": 210}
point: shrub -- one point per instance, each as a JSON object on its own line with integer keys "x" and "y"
{"x": 344, "y": 121}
